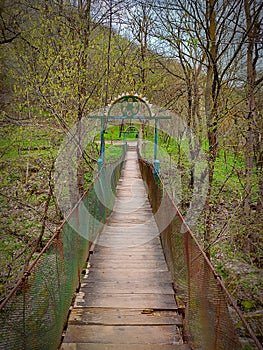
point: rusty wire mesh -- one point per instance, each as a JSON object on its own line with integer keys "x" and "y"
{"x": 34, "y": 314}
{"x": 208, "y": 323}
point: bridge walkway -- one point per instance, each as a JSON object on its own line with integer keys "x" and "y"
{"x": 126, "y": 300}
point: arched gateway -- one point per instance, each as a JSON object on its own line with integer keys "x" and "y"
{"x": 130, "y": 106}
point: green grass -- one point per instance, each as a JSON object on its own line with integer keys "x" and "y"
{"x": 112, "y": 152}
{"x": 113, "y": 133}
{"x": 33, "y": 140}
{"x": 230, "y": 173}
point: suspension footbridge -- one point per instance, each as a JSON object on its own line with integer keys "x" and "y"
{"x": 123, "y": 271}
{"x": 126, "y": 297}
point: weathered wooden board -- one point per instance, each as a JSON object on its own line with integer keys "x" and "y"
{"x": 155, "y": 301}
{"x": 122, "y": 316}
{"x": 134, "y": 257}
{"x": 140, "y": 257}
{"x": 89, "y": 346}
{"x": 105, "y": 264}
{"x": 144, "y": 287}
{"x": 164, "y": 334}
{"x": 129, "y": 275}
{"x": 120, "y": 243}
{"x": 139, "y": 251}
{"x": 151, "y": 244}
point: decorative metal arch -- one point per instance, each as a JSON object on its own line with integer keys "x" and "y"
{"x": 126, "y": 131}
{"x": 131, "y": 106}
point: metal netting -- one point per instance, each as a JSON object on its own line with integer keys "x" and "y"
{"x": 34, "y": 314}
{"x": 205, "y": 300}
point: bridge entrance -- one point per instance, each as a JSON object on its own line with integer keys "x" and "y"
{"x": 131, "y": 106}
{"x": 130, "y": 130}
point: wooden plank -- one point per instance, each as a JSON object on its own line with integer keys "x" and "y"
{"x": 131, "y": 275}
{"x": 125, "y": 208}
{"x": 135, "y": 253}
{"x": 129, "y": 265}
{"x": 137, "y": 241}
{"x": 153, "y": 243}
{"x": 129, "y": 258}
{"x": 131, "y": 225}
{"x": 130, "y": 232}
{"x": 142, "y": 250}
{"x": 164, "y": 334}
{"x": 137, "y": 256}
{"x": 123, "y": 213}
{"x": 152, "y": 301}
{"x": 120, "y": 243}
{"x": 102, "y": 287}
{"x": 121, "y": 316}
{"x": 133, "y": 214}
{"x": 89, "y": 346}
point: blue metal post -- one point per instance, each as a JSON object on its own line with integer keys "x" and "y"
{"x": 102, "y": 142}
{"x": 102, "y": 145}
{"x": 155, "y": 139}
{"x": 100, "y": 164}
{"x": 156, "y": 161}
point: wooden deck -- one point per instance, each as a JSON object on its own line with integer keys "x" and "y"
{"x": 126, "y": 300}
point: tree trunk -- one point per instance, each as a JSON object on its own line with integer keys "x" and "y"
{"x": 211, "y": 110}
{"x": 251, "y": 107}
{"x": 249, "y": 170}
{"x": 84, "y": 9}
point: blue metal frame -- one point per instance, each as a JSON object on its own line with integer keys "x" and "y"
{"x": 102, "y": 141}
{"x": 129, "y": 115}
{"x": 156, "y": 161}
{"x": 102, "y": 145}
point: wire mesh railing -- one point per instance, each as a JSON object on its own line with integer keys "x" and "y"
{"x": 206, "y": 302}
{"x": 34, "y": 314}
